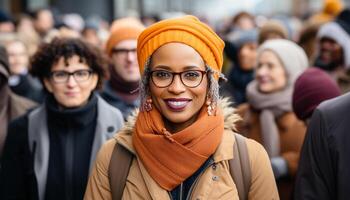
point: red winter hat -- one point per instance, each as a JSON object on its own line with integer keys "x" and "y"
{"x": 311, "y": 88}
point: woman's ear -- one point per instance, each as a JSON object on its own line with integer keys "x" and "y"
{"x": 48, "y": 85}
{"x": 94, "y": 80}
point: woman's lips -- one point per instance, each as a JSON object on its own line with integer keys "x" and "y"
{"x": 177, "y": 105}
{"x": 70, "y": 94}
{"x": 263, "y": 80}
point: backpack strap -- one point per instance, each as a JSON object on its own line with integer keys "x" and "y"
{"x": 118, "y": 170}
{"x": 240, "y": 167}
{"x": 121, "y": 160}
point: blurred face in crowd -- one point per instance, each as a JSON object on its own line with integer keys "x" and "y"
{"x": 90, "y": 35}
{"x": 247, "y": 56}
{"x": 18, "y": 57}
{"x": 245, "y": 23}
{"x": 124, "y": 60}
{"x": 71, "y": 84}
{"x": 7, "y": 27}
{"x": 331, "y": 52}
{"x": 179, "y": 104}
{"x": 270, "y": 73}
{"x": 25, "y": 24}
{"x": 44, "y": 21}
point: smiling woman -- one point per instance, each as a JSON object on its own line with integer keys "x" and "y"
{"x": 58, "y": 141}
{"x": 183, "y": 136}
{"x": 268, "y": 115}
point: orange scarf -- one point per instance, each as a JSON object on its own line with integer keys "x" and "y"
{"x": 172, "y": 158}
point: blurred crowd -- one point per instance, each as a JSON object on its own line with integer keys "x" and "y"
{"x": 276, "y": 71}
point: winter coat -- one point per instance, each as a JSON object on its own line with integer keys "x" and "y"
{"x": 215, "y": 182}
{"x": 26, "y": 165}
{"x": 324, "y": 171}
{"x": 28, "y": 87}
{"x": 112, "y": 98}
{"x": 292, "y": 132}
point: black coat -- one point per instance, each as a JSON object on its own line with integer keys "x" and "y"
{"x": 324, "y": 167}
{"x": 71, "y": 137}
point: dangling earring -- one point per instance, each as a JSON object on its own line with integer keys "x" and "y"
{"x": 209, "y": 108}
{"x": 147, "y": 106}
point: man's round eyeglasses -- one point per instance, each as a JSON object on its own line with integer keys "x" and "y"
{"x": 63, "y": 76}
{"x": 190, "y": 78}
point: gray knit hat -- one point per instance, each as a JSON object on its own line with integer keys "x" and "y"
{"x": 241, "y": 37}
{"x": 292, "y": 56}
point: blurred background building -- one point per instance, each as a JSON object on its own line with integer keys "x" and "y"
{"x": 212, "y": 9}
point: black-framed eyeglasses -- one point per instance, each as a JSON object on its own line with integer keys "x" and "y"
{"x": 190, "y": 78}
{"x": 123, "y": 51}
{"x": 63, "y": 76}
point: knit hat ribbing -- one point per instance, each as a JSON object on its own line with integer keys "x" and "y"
{"x": 123, "y": 29}
{"x": 187, "y": 30}
{"x": 312, "y": 88}
{"x": 292, "y": 56}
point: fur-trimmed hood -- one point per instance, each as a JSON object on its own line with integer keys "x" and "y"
{"x": 230, "y": 119}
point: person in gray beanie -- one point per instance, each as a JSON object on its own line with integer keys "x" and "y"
{"x": 11, "y": 105}
{"x": 268, "y": 116}
{"x": 334, "y": 50}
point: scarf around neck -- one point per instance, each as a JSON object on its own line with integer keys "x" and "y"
{"x": 120, "y": 85}
{"x": 271, "y": 106}
{"x": 172, "y": 158}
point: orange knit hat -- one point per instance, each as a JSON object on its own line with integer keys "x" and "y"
{"x": 123, "y": 29}
{"x": 187, "y": 30}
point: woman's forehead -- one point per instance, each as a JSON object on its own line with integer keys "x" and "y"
{"x": 177, "y": 56}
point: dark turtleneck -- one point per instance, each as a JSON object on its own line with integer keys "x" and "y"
{"x": 239, "y": 79}
{"x": 71, "y": 133}
{"x": 127, "y": 91}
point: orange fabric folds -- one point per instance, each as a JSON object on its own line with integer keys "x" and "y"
{"x": 172, "y": 158}
{"x": 188, "y": 30}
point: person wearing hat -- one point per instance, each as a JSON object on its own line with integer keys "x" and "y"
{"x": 121, "y": 90}
{"x": 324, "y": 171}
{"x": 182, "y": 137}
{"x": 311, "y": 88}
{"x": 272, "y": 29}
{"x": 333, "y": 53}
{"x": 240, "y": 48}
{"x": 50, "y": 151}
{"x": 11, "y": 105}
{"x": 330, "y": 9}
{"x": 268, "y": 116}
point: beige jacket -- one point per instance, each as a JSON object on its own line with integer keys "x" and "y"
{"x": 140, "y": 185}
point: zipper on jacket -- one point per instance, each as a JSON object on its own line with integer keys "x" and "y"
{"x": 171, "y": 197}
{"x": 181, "y": 190}
{"x": 211, "y": 162}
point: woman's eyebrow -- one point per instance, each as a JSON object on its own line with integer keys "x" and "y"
{"x": 190, "y": 67}
{"x": 162, "y": 67}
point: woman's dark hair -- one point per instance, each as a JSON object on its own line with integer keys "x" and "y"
{"x": 48, "y": 55}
